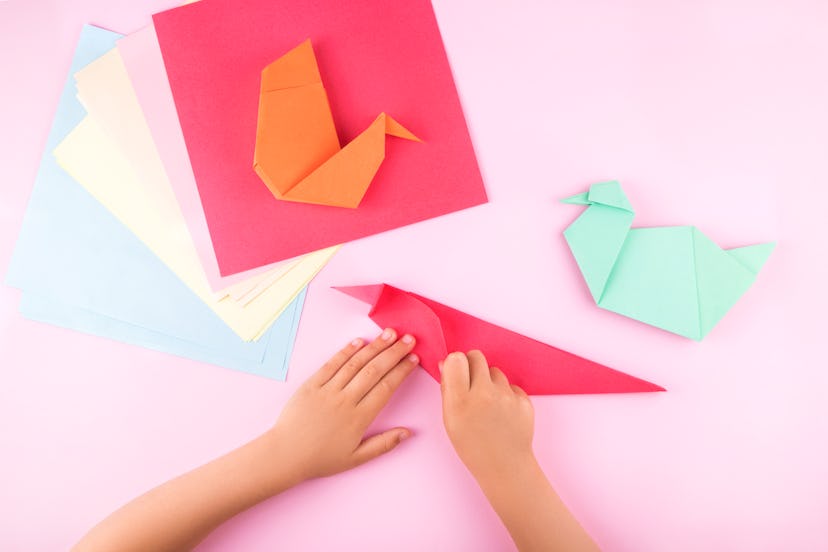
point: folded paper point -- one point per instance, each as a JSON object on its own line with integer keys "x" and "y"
{"x": 538, "y": 368}
{"x": 298, "y": 154}
{"x": 367, "y": 294}
{"x": 671, "y": 277}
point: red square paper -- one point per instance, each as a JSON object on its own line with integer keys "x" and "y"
{"x": 374, "y": 56}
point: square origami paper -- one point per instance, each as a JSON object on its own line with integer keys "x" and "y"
{"x": 375, "y": 56}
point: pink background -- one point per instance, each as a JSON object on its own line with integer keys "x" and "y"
{"x": 713, "y": 113}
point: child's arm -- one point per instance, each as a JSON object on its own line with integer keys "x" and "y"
{"x": 320, "y": 432}
{"x": 491, "y": 425}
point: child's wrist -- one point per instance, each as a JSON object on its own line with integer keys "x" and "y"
{"x": 278, "y": 469}
{"x": 502, "y": 471}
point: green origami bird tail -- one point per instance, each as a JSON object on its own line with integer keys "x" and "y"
{"x": 596, "y": 237}
{"x": 753, "y": 257}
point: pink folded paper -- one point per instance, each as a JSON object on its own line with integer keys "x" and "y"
{"x": 145, "y": 65}
{"x": 538, "y": 368}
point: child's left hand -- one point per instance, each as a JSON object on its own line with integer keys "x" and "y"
{"x": 321, "y": 430}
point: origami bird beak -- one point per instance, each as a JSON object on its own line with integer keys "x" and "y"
{"x": 580, "y": 199}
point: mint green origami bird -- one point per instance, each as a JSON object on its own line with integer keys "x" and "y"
{"x": 672, "y": 277}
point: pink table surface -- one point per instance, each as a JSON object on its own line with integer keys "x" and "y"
{"x": 712, "y": 113}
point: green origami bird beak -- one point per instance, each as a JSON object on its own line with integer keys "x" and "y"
{"x": 579, "y": 199}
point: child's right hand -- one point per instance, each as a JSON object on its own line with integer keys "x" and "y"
{"x": 489, "y": 422}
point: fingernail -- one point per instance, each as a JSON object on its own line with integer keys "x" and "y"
{"x": 387, "y": 334}
{"x": 408, "y": 339}
{"x": 413, "y": 358}
{"x": 456, "y": 355}
{"x": 356, "y": 342}
{"x": 403, "y": 436}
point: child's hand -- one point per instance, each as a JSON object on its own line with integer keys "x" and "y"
{"x": 489, "y": 422}
{"x": 322, "y": 427}
{"x": 320, "y": 432}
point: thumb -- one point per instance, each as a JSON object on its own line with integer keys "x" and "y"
{"x": 379, "y": 444}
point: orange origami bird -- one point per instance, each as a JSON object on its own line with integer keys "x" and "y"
{"x": 297, "y": 154}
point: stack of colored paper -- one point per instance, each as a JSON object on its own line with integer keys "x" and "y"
{"x": 150, "y": 224}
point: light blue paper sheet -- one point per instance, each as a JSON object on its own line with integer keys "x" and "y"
{"x": 81, "y": 268}
{"x": 275, "y": 364}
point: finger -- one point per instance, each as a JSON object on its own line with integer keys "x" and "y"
{"x": 519, "y": 391}
{"x": 361, "y": 358}
{"x": 378, "y": 367}
{"x": 498, "y": 377}
{"x": 454, "y": 377}
{"x": 378, "y": 397}
{"x": 379, "y": 444}
{"x": 478, "y": 368}
{"x": 336, "y": 362}
{"x": 524, "y": 398}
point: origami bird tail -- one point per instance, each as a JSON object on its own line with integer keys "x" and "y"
{"x": 721, "y": 277}
{"x": 753, "y": 257}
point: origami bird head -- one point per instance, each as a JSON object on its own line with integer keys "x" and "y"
{"x": 608, "y": 194}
